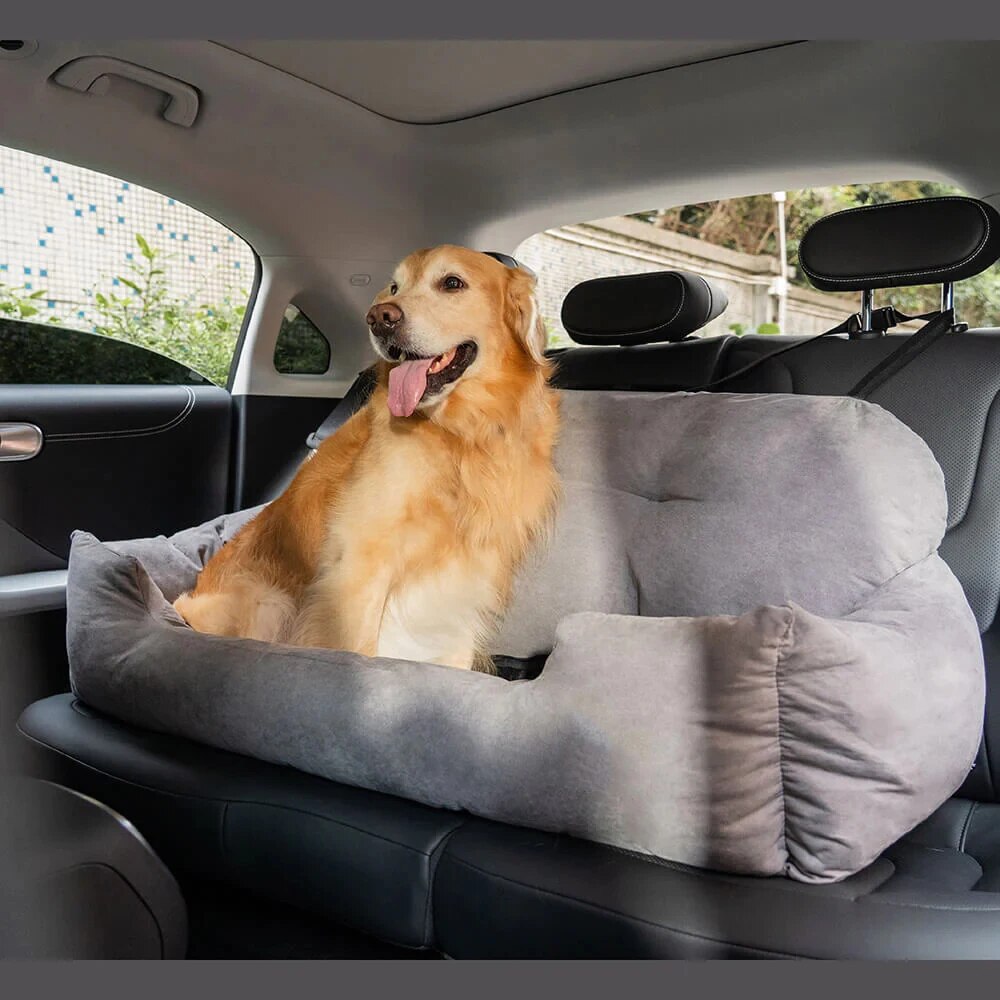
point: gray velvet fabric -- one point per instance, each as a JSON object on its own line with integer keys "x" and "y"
{"x": 758, "y": 663}
{"x": 713, "y": 503}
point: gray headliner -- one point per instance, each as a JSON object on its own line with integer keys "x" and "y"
{"x": 445, "y": 80}
{"x": 323, "y": 188}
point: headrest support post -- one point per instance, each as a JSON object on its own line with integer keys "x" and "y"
{"x": 947, "y": 296}
{"x": 867, "y": 301}
{"x": 866, "y": 330}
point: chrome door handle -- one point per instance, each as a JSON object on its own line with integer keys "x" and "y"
{"x": 19, "y": 442}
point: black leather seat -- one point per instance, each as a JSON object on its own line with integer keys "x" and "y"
{"x": 501, "y": 892}
{"x": 472, "y": 888}
{"x": 356, "y": 857}
{"x": 77, "y": 881}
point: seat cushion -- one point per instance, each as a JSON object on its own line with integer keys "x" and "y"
{"x": 370, "y": 861}
{"x": 361, "y": 859}
{"x": 502, "y": 892}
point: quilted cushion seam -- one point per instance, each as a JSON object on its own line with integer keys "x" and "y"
{"x": 779, "y": 657}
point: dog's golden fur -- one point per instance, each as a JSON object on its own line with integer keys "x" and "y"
{"x": 402, "y": 535}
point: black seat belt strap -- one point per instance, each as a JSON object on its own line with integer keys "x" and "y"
{"x": 356, "y": 396}
{"x": 882, "y": 319}
{"x": 844, "y": 327}
{"x": 911, "y": 348}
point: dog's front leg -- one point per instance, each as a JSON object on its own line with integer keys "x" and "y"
{"x": 341, "y": 612}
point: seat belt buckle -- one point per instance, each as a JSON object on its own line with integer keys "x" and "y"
{"x": 853, "y": 325}
{"x": 884, "y": 318}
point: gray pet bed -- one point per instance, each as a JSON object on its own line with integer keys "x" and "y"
{"x": 757, "y": 662}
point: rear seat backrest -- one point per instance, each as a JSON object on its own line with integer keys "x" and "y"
{"x": 947, "y": 395}
{"x": 636, "y": 326}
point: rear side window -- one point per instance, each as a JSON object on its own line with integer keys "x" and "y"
{"x": 300, "y": 348}
{"x": 31, "y": 354}
{"x": 738, "y": 243}
{"x": 105, "y": 282}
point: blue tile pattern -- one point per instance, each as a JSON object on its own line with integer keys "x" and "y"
{"x": 42, "y": 203}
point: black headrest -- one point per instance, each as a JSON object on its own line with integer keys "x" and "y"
{"x": 641, "y": 308}
{"x": 927, "y": 241}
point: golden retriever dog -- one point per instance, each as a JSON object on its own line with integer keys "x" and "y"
{"x": 401, "y": 536}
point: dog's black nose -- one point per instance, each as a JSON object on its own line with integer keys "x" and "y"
{"x": 385, "y": 314}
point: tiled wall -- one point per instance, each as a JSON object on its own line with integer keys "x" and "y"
{"x": 71, "y": 232}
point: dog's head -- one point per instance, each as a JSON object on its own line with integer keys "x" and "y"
{"x": 451, "y": 318}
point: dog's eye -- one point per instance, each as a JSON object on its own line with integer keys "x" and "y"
{"x": 393, "y": 288}
{"x": 452, "y": 283}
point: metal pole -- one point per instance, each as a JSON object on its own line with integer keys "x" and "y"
{"x": 782, "y": 282}
{"x": 947, "y": 296}
{"x": 867, "y": 299}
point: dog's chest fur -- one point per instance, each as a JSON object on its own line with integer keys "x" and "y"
{"x": 432, "y": 536}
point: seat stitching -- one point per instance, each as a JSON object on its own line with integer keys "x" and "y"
{"x": 227, "y": 802}
{"x": 652, "y": 329}
{"x": 782, "y": 646}
{"x": 129, "y": 432}
{"x": 902, "y": 274}
{"x": 618, "y": 913}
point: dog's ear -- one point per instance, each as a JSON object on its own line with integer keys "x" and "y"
{"x": 526, "y": 321}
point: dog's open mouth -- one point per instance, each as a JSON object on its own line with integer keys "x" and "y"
{"x": 415, "y": 378}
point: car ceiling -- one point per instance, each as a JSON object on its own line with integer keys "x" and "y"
{"x": 299, "y": 170}
{"x": 438, "y": 81}
{"x": 303, "y": 147}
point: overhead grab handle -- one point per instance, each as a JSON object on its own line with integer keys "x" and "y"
{"x": 89, "y": 75}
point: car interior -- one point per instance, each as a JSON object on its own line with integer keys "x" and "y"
{"x": 331, "y": 175}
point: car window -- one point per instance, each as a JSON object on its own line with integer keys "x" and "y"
{"x": 738, "y": 243}
{"x": 104, "y": 281}
{"x": 300, "y": 348}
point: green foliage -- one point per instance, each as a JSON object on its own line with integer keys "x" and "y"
{"x": 749, "y": 225}
{"x": 17, "y": 303}
{"x": 300, "y": 348}
{"x": 770, "y": 329}
{"x": 199, "y": 335}
{"x": 33, "y": 354}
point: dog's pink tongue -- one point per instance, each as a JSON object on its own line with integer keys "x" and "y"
{"x": 407, "y": 384}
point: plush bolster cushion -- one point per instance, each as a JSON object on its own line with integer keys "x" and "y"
{"x": 824, "y": 696}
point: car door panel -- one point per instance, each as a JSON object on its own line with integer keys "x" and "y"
{"x": 120, "y": 461}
